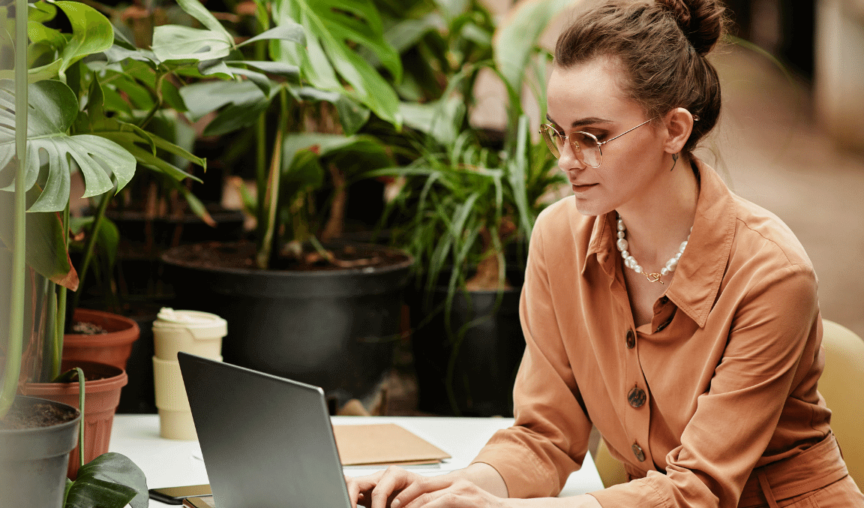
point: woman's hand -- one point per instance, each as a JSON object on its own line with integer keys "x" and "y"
{"x": 398, "y": 488}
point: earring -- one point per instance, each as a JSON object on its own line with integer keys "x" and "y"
{"x": 674, "y": 160}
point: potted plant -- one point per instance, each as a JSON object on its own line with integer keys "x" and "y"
{"x": 297, "y": 303}
{"x": 47, "y": 446}
{"x": 465, "y": 212}
{"x": 102, "y": 147}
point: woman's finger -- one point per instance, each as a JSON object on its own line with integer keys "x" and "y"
{"x": 393, "y": 480}
{"x": 360, "y": 487}
{"x": 419, "y": 487}
{"x": 438, "y": 498}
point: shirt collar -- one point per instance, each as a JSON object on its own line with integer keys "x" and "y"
{"x": 697, "y": 279}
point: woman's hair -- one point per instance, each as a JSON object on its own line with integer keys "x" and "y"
{"x": 662, "y": 46}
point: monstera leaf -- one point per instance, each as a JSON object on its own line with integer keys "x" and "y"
{"x": 91, "y": 33}
{"x": 175, "y": 43}
{"x": 53, "y": 108}
{"x": 333, "y": 28}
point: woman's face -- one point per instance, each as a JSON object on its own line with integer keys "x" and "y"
{"x": 587, "y": 97}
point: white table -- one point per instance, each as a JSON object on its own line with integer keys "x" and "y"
{"x": 170, "y": 463}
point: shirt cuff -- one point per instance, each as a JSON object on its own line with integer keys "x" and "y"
{"x": 523, "y": 473}
{"x": 639, "y": 492}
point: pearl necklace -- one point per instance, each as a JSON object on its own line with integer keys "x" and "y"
{"x": 630, "y": 261}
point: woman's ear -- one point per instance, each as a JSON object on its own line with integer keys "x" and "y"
{"x": 679, "y": 125}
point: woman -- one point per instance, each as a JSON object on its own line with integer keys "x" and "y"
{"x": 678, "y": 318}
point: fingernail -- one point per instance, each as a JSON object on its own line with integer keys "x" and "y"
{"x": 396, "y": 503}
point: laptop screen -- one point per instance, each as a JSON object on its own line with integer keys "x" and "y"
{"x": 266, "y": 441}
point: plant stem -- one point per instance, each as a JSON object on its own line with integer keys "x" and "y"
{"x": 261, "y": 163}
{"x": 88, "y": 254}
{"x": 59, "y": 330}
{"x": 19, "y": 235}
{"x": 271, "y": 197}
{"x": 156, "y": 105}
{"x": 81, "y": 398}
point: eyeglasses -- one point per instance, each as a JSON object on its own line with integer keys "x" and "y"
{"x": 586, "y": 147}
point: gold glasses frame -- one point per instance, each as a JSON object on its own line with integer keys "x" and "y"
{"x": 549, "y": 132}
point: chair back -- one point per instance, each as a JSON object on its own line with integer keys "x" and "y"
{"x": 611, "y": 470}
{"x": 841, "y": 384}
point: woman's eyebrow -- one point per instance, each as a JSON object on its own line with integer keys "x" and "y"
{"x": 583, "y": 121}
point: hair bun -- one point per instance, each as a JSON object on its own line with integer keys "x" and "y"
{"x": 702, "y": 21}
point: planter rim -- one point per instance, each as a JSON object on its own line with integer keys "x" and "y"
{"x": 345, "y": 272}
{"x": 35, "y": 430}
{"x": 126, "y": 335}
{"x": 92, "y": 386}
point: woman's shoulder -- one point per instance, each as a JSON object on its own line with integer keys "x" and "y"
{"x": 766, "y": 258}
{"x": 763, "y": 236}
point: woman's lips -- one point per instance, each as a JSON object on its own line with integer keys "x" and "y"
{"x": 582, "y": 188}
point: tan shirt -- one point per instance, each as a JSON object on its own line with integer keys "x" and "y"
{"x": 728, "y": 365}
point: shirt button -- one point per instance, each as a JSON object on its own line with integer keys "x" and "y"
{"x": 631, "y": 339}
{"x": 664, "y": 300}
{"x": 637, "y": 451}
{"x": 636, "y": 397}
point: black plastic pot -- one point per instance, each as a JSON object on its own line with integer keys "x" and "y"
{"x": 143, "y": 240}
{"x": 33, "y": 461}
{"x": 333, "y": 329}
{"x": 485, "y": 358}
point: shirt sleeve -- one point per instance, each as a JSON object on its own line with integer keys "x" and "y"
{"x": 775, "y": 326}
{"x": 550, "y": 436}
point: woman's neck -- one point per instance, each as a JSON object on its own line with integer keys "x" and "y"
{"x": 661, "y": 217}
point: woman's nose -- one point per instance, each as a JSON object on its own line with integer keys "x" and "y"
{"x": 568, "y": 159}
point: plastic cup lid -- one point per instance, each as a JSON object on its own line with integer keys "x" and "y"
{"x": 187, "y": 317}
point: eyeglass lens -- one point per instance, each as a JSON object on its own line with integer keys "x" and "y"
{"x": 585, "y": 147}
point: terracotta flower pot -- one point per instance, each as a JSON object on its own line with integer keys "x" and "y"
{"x": 112, "y": 348}
{"x": 101, "y": 398}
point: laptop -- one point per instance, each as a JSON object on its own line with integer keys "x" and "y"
{"x": 266, "y": 441}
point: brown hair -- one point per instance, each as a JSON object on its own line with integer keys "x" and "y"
{"x": 662, "y": 45}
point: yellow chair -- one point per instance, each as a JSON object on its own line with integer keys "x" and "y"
{"x": 841, "y": 384}
{"x": 611, "y": 470}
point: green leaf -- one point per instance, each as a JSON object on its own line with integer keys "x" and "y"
{"x": 408, "y": 32}
{"x": 514, "y": 42}
{"x": 35, "y": 74}
{"x": 260, "y": 80}
{"x": 46, "y": 242}
{"x": 107, "y": 479}
{"x": 279, "y": 68}
{"x": 199, "y": 12}
{"x": 236, "y": 116}
{"x": 245, "y": 99}
{"x": 37, "y": 32}
{"x": 91, "y": 32}
{"x": 186, "y": 45}
{"x": 92, "y": 493}
{"x": 138, "y": 94}
{"x": 109, "y": 235}
{"x": 352, "y": 115}
{"x": 41, "y": 12}
{"x": 286, "y": 31}
{"x": 334, "y": 25}
{"x": 441, "y": 119}
{"x": 53, "y": 108}
{"x": 202, "y": 98}
{"x": 117, "y": 53}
